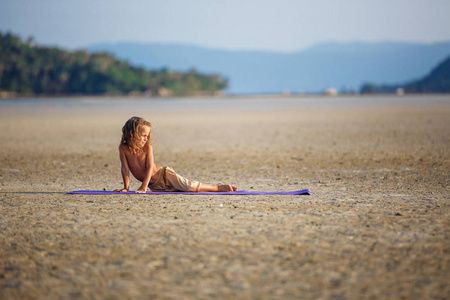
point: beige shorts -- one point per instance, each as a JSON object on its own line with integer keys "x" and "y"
{"x": 169, "y": 181}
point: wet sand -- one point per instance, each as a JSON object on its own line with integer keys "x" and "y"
{"x": 376, "y": 227}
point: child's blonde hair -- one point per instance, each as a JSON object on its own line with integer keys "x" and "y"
{"x": 130, "y": 132}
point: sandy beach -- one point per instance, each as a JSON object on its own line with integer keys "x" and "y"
{"x": 377, "y": 225}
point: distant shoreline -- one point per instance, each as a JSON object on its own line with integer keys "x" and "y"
{"x": 12, "y": 96}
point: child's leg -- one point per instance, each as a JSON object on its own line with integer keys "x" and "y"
{"x": 182, "y": 184}
{"x": 217, "y": 188}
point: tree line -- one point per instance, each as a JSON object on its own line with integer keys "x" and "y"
{"x": 27, "y": 69}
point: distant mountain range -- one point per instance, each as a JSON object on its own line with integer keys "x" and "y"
{"x": 344, "y": 66}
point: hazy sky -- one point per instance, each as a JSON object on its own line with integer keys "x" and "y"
{"x": 278, "y": 25}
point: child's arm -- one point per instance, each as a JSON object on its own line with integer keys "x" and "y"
{"x": 125, "y": 170}
{"x": 149, "y": 163}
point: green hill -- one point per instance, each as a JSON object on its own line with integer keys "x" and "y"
{"x": 26, "y": 69}
{"x": 438, "y": 81}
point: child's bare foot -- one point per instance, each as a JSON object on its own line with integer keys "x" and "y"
{"x": 226, "y": 188}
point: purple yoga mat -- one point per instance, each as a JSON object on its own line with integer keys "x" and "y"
{"x": 302, "y": 192}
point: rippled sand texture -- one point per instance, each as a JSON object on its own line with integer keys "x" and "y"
{"x": 376, "y": 227}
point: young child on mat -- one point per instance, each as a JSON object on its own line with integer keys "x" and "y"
{"x": 136, "y": 155}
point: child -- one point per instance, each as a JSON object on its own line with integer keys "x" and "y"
{"x": 136, "y": 155}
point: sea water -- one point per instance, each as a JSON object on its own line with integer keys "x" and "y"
{"x": 230, "y": 104}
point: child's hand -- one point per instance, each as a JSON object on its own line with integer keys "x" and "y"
{"x": 141, "y": 190}
{"x": 121, "y": 190}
